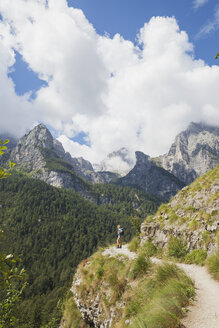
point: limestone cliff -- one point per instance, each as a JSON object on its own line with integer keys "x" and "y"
{"x": 194, "y": 152}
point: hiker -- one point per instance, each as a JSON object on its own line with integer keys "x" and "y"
{"x": 120, "y": 232}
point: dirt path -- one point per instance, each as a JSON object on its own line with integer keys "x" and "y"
{"x": 204, "y": 313}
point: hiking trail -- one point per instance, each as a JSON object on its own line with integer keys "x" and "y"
{"x": 204, "y": 313}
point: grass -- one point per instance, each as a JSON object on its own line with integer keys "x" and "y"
{"x": 72, "y": 315}
{"x": 148, "y": 249}
{"x": 213, "y": 265}
{"x": 197, "y": 256}
{"x": 159, "y": 300}
{"x": 141, "y": 266}
{"x": 151, "y": 295}
{"x": 176, "y": 248}
{"x": 134, "y": 244}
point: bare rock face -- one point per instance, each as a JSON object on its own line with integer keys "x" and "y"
{"x": 194, "y": 152}
{"x": 28, "y": 151}
{"x": 33, "y": 151}
{"x": 151, "y": 178}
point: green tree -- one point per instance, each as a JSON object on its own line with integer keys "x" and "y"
{"x": 10, "y": 275}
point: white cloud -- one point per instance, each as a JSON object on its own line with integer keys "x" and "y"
{"x": 211, "y": 25}
{"x": 121, "y": 95}
{"x": 199, "y": 3}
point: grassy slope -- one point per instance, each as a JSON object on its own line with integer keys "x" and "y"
{"x": 204, "y": 194}
{"x": 142, "y": 294}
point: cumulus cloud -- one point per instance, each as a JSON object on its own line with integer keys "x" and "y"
{"x": 119, "y": 94}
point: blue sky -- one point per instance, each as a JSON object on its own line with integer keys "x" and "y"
{"x": 128, "y": 16}
{"x": 103, "y": 75}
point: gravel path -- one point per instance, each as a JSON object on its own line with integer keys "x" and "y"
{"x": 204, "y": 313}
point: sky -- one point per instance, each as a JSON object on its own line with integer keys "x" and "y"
{"x": 103, "y": 74}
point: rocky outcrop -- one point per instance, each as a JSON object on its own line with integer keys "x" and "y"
{"x": 151, "y": 178}
{"x": 91, "y": 309}
{"x": 192, "y": 215}
{"x": 194, "y": 152}
{"x": 160, "y": 235}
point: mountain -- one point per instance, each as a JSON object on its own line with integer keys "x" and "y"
{"x": 194, "y": 152}
{"x": 45, "y": 158}
{"x": 119, "y": 162}
{"x": 148, "y": 176}
{"x": 192, "y": 215}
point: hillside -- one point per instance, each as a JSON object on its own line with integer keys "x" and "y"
{"x": 193, "y": 215}
{"x": 142, "y": 292}
{"x": 118, "y": 289}
{"x": 53, "y": 229}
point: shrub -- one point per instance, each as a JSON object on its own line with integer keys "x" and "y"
{"x": 148, "y": 249}
{"x": 166, "y": 271}
{"x": 194, "y": 225}
{"x": 100, "y": 272}
{"x": 134, "y": 244}
{"x": 176, "y": 248}
{"x": 213, "y": 265}
{"x": 72, "y": 316}
{"x": 206, "y": 235}
{"x": 141, "y": 266}
{"x": 197, "y": 256}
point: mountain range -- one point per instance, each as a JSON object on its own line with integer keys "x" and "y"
{"x": 194, "y": 152}
{"x": 52, "y": 228}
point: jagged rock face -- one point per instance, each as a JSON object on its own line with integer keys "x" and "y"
{"x": 28, "y": 149}
{"x": 192, "y": 215}
{"x": 91, "y": 312}
{"x": 147, "y": 176}
{"x": 29, "y": 152}
{"x": 119, "y": 162}
{"x": 194, "y": 152}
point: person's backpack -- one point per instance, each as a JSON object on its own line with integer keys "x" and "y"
{"x": 121, "y": 231}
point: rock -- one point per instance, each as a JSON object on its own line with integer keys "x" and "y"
{"x": 197, "y": 225}
{"x": 194, "y": 152}
{"x": 146, "y": 175}
{"x": 33, "y": 151}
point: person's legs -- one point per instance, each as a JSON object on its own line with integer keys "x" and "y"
{"x": 118, "y": 242}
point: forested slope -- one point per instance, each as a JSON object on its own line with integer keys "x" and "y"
{"x": 53, "y": 229}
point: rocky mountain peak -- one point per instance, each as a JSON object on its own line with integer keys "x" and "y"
{"x": 39, "y": 136}
{"x": 151, "y": 178}
{"x": 142, "y": 159}
{"x": 193, "y": 153}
